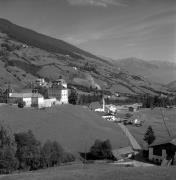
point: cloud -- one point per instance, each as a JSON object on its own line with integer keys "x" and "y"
{"x": 101, "y": 3}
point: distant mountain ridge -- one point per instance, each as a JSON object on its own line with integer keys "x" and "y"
{"x": 158, "y": 71}
{"x": 26, "y": 55}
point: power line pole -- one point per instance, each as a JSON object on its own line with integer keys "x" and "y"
{"x": 163, "y": 117}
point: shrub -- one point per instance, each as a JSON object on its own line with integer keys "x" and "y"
{"x": 53, "y": 154}
{"x": 21, "y": 104}
{"x": 101, "y": 150}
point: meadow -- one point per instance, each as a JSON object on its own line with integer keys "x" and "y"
{"x": 74, "y": 127}
{"x": 153, "y": 117}
{"x": 96, "y": 172}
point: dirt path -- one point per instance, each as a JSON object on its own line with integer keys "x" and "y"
{"x": 131, "y": 138}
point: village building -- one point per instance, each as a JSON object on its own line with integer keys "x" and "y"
{"x": 40, "y": 82}
{"x": 58, "y": 90}
{"x": 109, "y": 117}
{"x": 30, "y": 99}
{"x": 163, "y": 151}
{"x": 59, "y": 82}
{"x": 103, "y": 108}
{"x": 35, "y": 100}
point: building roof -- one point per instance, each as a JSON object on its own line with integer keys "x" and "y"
{"x": 95, "y": 105}
{"x": 25, "y": 95}
{"x": 58, "y": 87}
{"x": 171, "y": 140}
{"x": 123, "y": 151}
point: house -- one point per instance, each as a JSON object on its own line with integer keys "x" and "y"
{"x": 48, "y": 103}
{"x": 101, "y": 109}
{"x": 109, "y": 117}
{"x": 111, "y": 108}
{"x": 59, "y": 82}
{"x": 30, "y": 99}
{"x": 59, "y": 92}
{"x": 40, "y": 82}
{"x": 163, "y": 151}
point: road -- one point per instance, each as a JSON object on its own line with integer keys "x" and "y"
{"x": 131, "y": 138}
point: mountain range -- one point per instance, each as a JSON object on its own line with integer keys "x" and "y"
{"x": 162, "y": 72}
{"x": 26, "y": 55}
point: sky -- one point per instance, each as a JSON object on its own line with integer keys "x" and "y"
{"x": 110, "y": 28}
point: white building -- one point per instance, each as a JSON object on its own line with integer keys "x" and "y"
{"x": 59, "y": 92}
{"x": 109, "y": 117}
{"x": 48, "y": 103}
{"x": 30, "y": 99}
{"x": 101, "y": 109}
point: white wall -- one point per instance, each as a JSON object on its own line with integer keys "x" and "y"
{"x": 156, "y": 158}
{"x": 28, "y": 102}
{"x": 64, "y": 96}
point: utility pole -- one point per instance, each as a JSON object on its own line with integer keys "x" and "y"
{"x": 163, "y": 117}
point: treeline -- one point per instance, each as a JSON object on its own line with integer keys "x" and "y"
{"x": 158, "y": 101}
{"x": 147, "y": 101}
{"x": 22, "y": 151}
{"x": 87, "y": 99}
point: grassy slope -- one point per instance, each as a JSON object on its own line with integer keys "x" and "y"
{"x": 154, "y": 118}
{"x": 76, "y": 128}
{"x": 97, "y": 172}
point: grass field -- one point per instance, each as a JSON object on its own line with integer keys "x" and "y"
{"x": 154, "y": 118}
{"x": 97, "y": 172}
{"x": 74, "y": 127}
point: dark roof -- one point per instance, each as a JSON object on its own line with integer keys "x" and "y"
{"x": 171, "y": 140}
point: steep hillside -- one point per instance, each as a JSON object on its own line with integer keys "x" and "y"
{"x": 35, "y": 39}
{"x": 26, "y": 55}
{"x": 76, "y": 128}
{"x": 156, "y": 71}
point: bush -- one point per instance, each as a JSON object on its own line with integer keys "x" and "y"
{"x": 21, "y": 104}
{"x": 53, "y": 154}
{"x": 101, "y": 150}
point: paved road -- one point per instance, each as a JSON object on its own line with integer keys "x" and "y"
{"x": 131, "y": 138}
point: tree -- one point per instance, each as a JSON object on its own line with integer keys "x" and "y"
{"x": 101, "y": 150}
{"x": 28, "y": 151}
{"x": 8, "y": 161}
{"x": 149, "y": 136}
{"x": 73, "y": 97}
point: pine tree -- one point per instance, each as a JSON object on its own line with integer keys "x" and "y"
{"x": 149, "y": 136}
